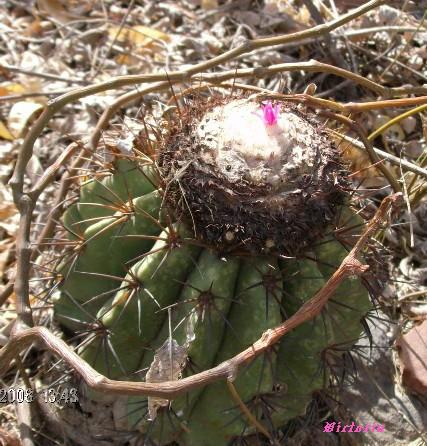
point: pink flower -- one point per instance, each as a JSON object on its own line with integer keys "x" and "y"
{"x": 270, "y": 113}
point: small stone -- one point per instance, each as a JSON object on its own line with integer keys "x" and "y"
{"x": 414, "y": 149}
{"x": 413, "y": 359}
{"x": 416, "y": 62}
{"x": 387, "y": 14}
{"x": 409, "y": 124}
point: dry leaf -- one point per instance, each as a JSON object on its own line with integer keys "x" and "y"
{"x": 34, "y": 29}
{"x": 6, "y": 247}
{"x": 56, "y": 10}
{"x": 8, "y": 212}
{"x": 413, "y": 358}
{"x": 8, "y": 88}
{"x": 34, "y": 169}
{"x": 126, "y": 59}
{"x": 7, "y": 209}
{"x": 424, "y": 123}
{"x": 303, "y": 16}
{"x": 137, "y": 35}
{"x": 5, "y": 133}
{"x": 20, "y": 116}
{"x": 360, "y": 163}
{"x": 209, "y": 4}
{"x": 168, "y": 363}
{"x": 9, "y": 439}
{"x": 409, "y": 124}
{"x": 394, "y": 132}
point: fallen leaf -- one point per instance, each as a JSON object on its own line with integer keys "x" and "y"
{"x": 21, "y": 115}
{"x": 56, "y": 10}
{"x": 5, "y": 133}
{"x": 424, "y": 123}
{"x": 394, "y": 132}
{"x": 126, "y": 59}
{"x": 8, "y": 88}
{"x": 34, "y": 169}
{"x": 34, "y": 29}
{"x": 413, "y": 358}
{"x": 359, "y": 163}
{"x": 8, "y": 439}
{"x": 8, "y": 212}
{"x": 168, "y": 363}
{"x": 137, "y": 35}
{"x": 209, "y": 4}
{"x": 6, "y": 247}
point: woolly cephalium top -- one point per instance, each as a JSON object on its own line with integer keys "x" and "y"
{"x": 253, "y": 176}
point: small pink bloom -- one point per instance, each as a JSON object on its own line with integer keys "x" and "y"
{"x": 270, "y": 113}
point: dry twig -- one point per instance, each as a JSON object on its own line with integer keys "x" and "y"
{"x": 350, "y": 266}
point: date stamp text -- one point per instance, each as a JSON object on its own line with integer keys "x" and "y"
{"x": 12, "y": 395}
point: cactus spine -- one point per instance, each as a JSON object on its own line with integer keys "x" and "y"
{"x": 151, "y": 264}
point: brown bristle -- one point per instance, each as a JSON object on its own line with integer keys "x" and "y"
{"x": 279, "y": 202}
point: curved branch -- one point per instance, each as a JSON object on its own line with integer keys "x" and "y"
{"x": 26, "y": 203}
{"x": 258, "y": 72}
{"x": 174, "y": 76}
{"x": 227, "y": 369}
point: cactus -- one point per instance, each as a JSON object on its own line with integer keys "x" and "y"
{"x": 225, "y": 234}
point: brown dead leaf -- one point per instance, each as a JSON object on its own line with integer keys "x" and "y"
{"x": 34, "y": 29}
{"x": 139, "y": 38}
{"x": 138, "y": 35}
{"x": 56, "y": 10}
{"x": 357, "y": 158}
{"x": 126, "y": 59}
{"x": 21, "y": 115}
{"x": 168, "y": 363}
{"x": 8, "y": 88}
{"x": 8, "y": 439}
{"x": 359, "y": 163}
{"x": 5, "y": 133}
{"x": 8, "y": 212}
{"x": 6, "y": 247}
{"x": 412, "y": 349}
{"x": 209, "y": 4}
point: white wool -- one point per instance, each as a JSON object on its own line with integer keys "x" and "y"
{"x": 242, "y": 145}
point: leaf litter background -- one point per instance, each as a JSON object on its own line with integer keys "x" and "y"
{"x": 48, "y": 47}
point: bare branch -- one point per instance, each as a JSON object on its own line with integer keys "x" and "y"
{"x": 20, "y": 340}
{"x": 174, "y": 76}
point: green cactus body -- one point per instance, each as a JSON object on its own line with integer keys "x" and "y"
{"x": 73, "y": 222}
{"x": 141, "y": 276}
{"x": 203, "y": 307}
{"x": 134, "y": 315}
{"x": 106, "y": 250}
{"x": 215, "y": 419}
{"x": 299, "y": 357}
{"x": 200, "y": 316}
{"x": 350, "y": 302}
{"x": 100, "y": 198}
